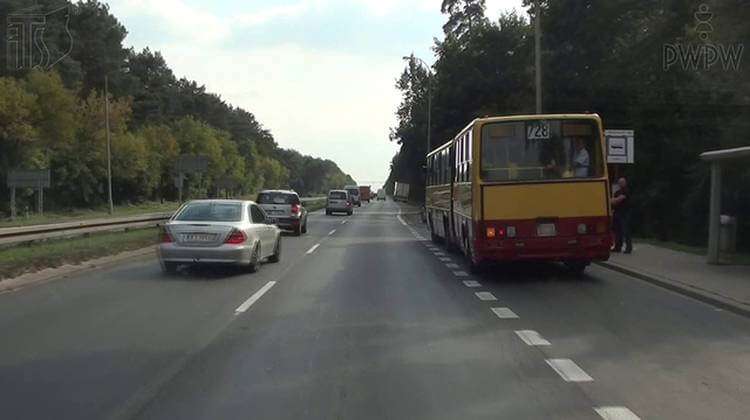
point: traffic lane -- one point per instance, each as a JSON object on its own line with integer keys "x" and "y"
{"x": 661, "y": 354}
{"x": 371, "y": 326}
{"x": 98, "y": 343}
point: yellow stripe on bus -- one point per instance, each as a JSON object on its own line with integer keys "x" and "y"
{"x": 530, "y": 201}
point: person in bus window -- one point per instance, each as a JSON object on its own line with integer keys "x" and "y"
{"x": 581, "y": 160}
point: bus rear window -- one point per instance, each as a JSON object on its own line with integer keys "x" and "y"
{"x": 540, "y": 149}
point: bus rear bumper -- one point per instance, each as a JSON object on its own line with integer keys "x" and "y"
{"x": 579, "y": 248}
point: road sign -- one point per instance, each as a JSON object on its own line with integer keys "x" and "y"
{"x": 191, "y": 164}
{"x": 29, "y": 178}
{"x": 620, "y": 146}
{"x": 38, "y": 179}
{"x": 226, "y": 183}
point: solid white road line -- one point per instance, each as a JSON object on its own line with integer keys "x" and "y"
{"x": 254, "y": 298}
{"x": 532, "y": 338}
{"x": 452, "y": 265}
{"x": 331, "y": 232}
{"x": 485, "y": 296}
{"x": 504, "y": 313}
{"x": 568, "y": 370}
{"x": 311, "y": 250}
{"x": 472, "y": 283}
{"x": 616, "y": 413}
{"x": 461, "y": 274}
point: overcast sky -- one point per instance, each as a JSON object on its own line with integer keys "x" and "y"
{"x": 319, "y": 74}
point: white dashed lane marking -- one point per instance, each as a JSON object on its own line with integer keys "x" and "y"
{"x": 254, "y": 298}
{"x": 485, "y": 296}
{"x": 331, "y": 232}
{"x": 616, "y": 413}
{"x": 438, "y": 253}
{"x": 504, "y": 313}
{"x": 532, "y": 338}
{"x": 472, "y": 283}
{"x": 444, "y": 259}
{"x": 311, "y": 250}
{"x": 343, "y": 222}
{"x": 461, "y": 274}
{"x": 568, "y": 370}
{"x": 452, "y": 265}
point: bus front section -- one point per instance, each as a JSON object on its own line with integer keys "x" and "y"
{"x": 544, "y": 190}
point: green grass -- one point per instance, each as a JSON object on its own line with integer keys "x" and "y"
{"x": 84, "y": 214}
{"x": 36, "y": 256}
{"x": 733, "y": 259}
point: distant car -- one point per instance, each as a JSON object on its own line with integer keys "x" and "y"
{"x": 284, "y": 209}
{"x": 218, "y": 232}
{"x": 353, "y": 191}
{"x": 381, "y": 194}
{"x": 339, "y": 201}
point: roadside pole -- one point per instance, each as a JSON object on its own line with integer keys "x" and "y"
{"x": 12, "y": 203}
{"x": 109, "y": 146}
{"x": 538, "y": 54}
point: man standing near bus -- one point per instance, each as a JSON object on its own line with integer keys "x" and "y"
{"x": 621, "y": 217}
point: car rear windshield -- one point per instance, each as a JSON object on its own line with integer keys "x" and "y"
{"x": 353, "y": 191}
{"x": 277, "y": 198}
{"x": 337, "y": 195}
{"x": 210, "y": 212}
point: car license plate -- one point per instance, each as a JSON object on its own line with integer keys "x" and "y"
{"x": 546, "y": 229}
{"x": 198, "y": 237}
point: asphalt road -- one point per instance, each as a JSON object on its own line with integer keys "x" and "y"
{"x": 371, "y": 323}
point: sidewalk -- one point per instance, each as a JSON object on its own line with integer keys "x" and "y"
{"x": 725, "y": 286}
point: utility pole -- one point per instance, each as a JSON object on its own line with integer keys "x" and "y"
{"x": 109, "y": 145}
{"x": 538, "y": 54}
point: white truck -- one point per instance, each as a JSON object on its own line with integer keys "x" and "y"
{"x": 401, "y": 192}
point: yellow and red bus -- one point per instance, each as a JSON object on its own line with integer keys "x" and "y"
{"x": 525, "y": 187}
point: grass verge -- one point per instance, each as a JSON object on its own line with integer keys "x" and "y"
{"x": 85, "y": 214}
{"x": 732, "y": 259}
{"x": 36, "y": 256}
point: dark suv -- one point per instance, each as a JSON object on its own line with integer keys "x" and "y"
{"x": 284, "y": 209}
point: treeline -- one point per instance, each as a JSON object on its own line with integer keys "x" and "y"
{"x": 54, "y": 118}
{"x": 613, "y": 57}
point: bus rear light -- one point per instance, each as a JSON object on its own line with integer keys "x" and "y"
{"x": 490, "y": 232}
{"x": 582, "y": 229}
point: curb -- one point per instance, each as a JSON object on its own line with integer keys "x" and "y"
{"x": 48, "y": 275}
{"x": 697, "y": 293}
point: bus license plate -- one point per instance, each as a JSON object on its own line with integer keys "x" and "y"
{"x": 546, "y": 229}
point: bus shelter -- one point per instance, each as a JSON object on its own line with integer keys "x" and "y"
{"x": 717, "y": 158}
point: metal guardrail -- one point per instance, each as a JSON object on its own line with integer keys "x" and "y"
{"x": 25, "y": 234}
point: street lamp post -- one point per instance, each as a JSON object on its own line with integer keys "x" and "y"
{"x": 429, "y": 99}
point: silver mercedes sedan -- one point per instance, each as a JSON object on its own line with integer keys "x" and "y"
{"x": 218, "y": 232}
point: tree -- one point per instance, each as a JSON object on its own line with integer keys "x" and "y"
{"x": 463, "y": 16}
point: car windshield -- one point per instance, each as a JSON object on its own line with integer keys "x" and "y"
{"x": 277, "y": 198}
{"x": 210, "y": 212}
{"x": 540, "y": 149}
{"x": 337, "y": 195}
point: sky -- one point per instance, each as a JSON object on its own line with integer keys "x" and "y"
{"x": 319, "y": 74}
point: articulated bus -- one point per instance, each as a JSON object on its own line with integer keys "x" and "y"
{"x": 531, "y": 187}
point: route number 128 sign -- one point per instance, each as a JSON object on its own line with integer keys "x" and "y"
{"x": 537, "y": 130}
